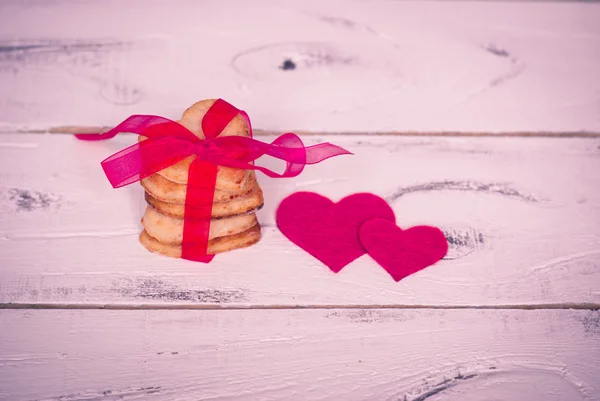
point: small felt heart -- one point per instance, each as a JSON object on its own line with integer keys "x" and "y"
{"x": 328, "y": 230}
{"x": 402, "y": 252}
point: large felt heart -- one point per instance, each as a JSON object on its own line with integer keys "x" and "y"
{"x": 328, "y": 230}
{"x": 402, "y": 252}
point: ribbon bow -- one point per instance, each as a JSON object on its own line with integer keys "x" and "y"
{"x": 169, "y": 142}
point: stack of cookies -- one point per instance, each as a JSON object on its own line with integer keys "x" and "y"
{"x": 237, "y": 198}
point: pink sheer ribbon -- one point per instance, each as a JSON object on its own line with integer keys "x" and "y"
{"x": 169, "y": 142}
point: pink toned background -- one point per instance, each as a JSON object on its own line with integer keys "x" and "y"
{"x": 479, "y": 117}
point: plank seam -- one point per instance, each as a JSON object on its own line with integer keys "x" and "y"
{"x": 564, "y": 306}
{"x": 69, "y": 130}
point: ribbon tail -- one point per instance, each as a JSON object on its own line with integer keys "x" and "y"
{"x": 323, "y": 151}
{"x": 95, "y": 136}
{"x": 240, "y": 152}
{"x": 143, "y": 159}
{"x": 202, "y": 178}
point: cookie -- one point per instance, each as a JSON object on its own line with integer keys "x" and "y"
{"x": 168, "y": 191}
{"x": 215, "y": 246}
{"x": 230, "y": 179}
{"x": 169, "y": 230}
{"x": 238, "y": 205}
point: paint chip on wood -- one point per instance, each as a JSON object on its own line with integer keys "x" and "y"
{"x": 108, "y": 394}
{"x": 373, "y": 316}
{"x": 591, "y": 322}
{"x": 462, "y": 242}
{"x": 156, "y": 289}
{"x": 465, "y": 186}
{"x": 28, "y": 200}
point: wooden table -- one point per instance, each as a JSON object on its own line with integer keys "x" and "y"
{"x": 481, "y": 118}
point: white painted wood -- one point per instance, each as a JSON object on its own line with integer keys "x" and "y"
{"x": 522, "y": 217}
{"x": 348, "y": 355}
{"x": 360, "y": 65}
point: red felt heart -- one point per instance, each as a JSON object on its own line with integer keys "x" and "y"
{"x": 328, "y": 230}
{"x": 402, "y": 252}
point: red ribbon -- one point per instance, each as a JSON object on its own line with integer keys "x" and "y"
{"x": 169, "y": 142}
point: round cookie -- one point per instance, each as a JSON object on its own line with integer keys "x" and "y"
{"x": 169, "y": 230}
{"x": 215, "y": 246}
{"x": 227, "y": 178}
{"x": 238, "y": 205}
{"x": 168, "y": 191}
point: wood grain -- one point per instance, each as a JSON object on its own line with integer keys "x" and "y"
{"x": 411, "y": 355}
{"x": 511, "y": 313}
{"x": 522, "y": 217}
{"x": 359, "y": 66}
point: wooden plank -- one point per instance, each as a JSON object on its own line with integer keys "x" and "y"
{"x": 300, "y": 355}
{"x": 522, "y": 218}
{"x": 369, "y": 66}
